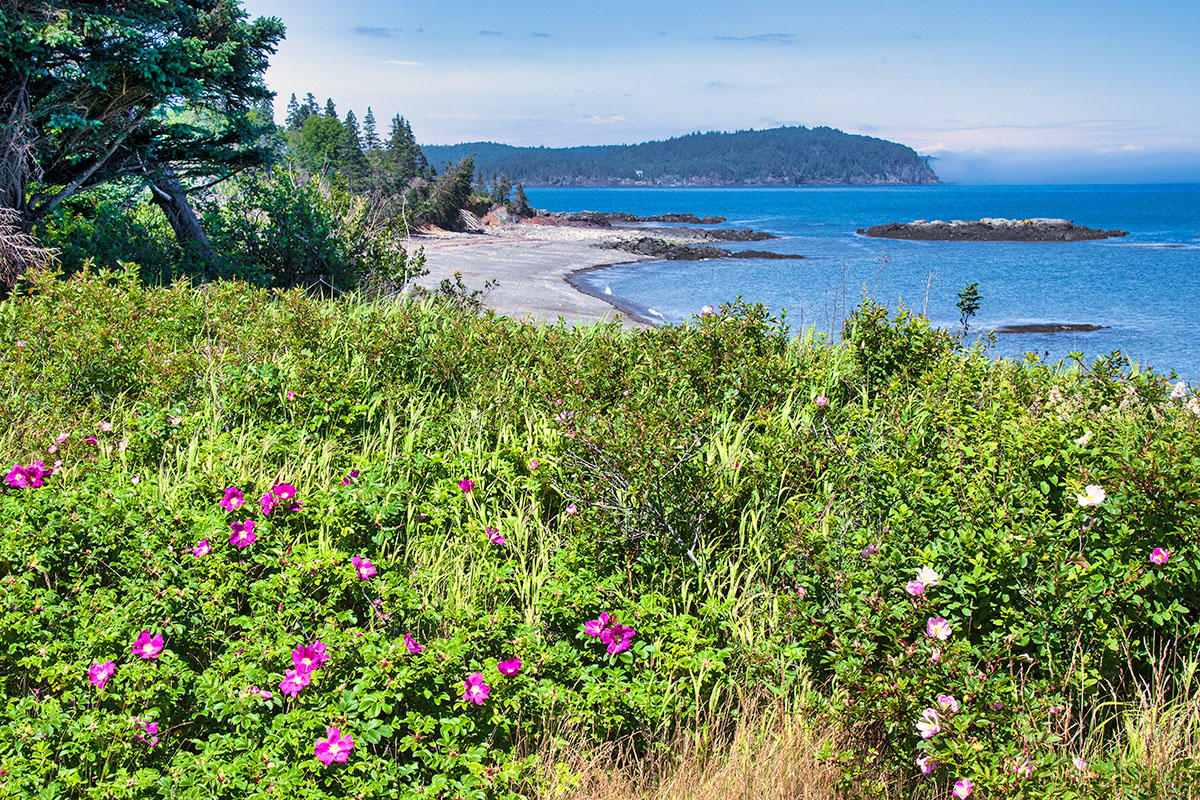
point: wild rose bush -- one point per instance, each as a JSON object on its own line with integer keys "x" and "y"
{"x": 280, "y": 545}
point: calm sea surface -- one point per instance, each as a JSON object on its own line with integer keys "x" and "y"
{"x": 1144, "y": 287}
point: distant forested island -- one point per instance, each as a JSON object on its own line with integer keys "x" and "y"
{"x": 789, "y": 156}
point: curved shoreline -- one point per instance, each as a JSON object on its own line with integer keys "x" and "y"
{"x": 630, "y": 309}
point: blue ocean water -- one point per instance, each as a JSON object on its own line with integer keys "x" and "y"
{"x": 1144, "y": 287}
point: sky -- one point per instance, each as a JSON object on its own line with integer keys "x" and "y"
{"x": 1054, "y": 91}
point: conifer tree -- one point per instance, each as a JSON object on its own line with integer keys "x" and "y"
{"x": 330, "y": 108}
{"x": 295, "y": 114}
{"x": 350, "y": 158}
{"x": 311, "y": 107}
{"x": 370, "y": 137}
{"x": 162, "y": 92}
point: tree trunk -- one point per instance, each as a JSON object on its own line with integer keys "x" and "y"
{"x": 169, "y": 196}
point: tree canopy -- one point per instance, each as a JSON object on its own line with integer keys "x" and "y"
{"x": 161, "y": 90}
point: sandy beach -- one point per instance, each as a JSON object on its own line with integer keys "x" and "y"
{"x": 532, "y": 265}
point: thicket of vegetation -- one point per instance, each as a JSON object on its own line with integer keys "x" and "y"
{"x": 267, "y": 544}
{"x": 777, "y": 156}
{"x": 144, "y": 133}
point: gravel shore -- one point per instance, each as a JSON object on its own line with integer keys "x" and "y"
{"x": 532, "y": 265}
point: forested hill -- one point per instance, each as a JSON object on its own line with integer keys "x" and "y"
{"x": 775, "y": 157}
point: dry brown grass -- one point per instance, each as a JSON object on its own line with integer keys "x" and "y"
{"x": 767, "y": 756}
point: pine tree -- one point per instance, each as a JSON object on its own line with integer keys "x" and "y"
{"x": 295, "y": 114}
{"x": 370, "y": 137}
{"x": 519, "y": 205}
{"x": 330, "y": 108}
{"x": 162, "y": 93}
{"x": 311, "y": 107}
{"x": 350, "y": 159}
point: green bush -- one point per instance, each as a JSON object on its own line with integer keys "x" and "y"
{"x": 754, "y": 505}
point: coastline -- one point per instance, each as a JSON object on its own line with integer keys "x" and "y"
{"x": 539, "y": 269}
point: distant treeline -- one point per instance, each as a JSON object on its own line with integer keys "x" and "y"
{"x": 775, "y": 157}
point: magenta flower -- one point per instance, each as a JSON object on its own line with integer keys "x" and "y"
{"x": 16, "y": 477}
{"x": 870, "y": 550}
{"x": 618, "y": 638}
{"x": 201, "y": 549}
{"x": 233, "y": 499}
{"x": 929, "y": 725}
{"x": 98, "y": 674}
{"x": 267, "y": 501}
{"x": 293, "y": 681}
{"x": 263, "y": 693}
{"x": 494, "y": 536}
{"x": 475, "y": 690}
{"x": 150, "y": 729}
{"x": 242, "y": 534}
{"x": 938, "y": 628}
{"x": 147, "y": 647}
{"x": 821, "y": 401}
{"x": 106, "y": 427}
{"x": 963, "y": 789}
{"x": 466, "y": 484}
{"x": 306, "y": 658}
{"x": 1023, "y": 769}
{"x": 412, "y": 645}
{"x": 948, "y": 703}
{"x": 1160, "y": 555}
{"x": 291, "y": 395}
{"x": 707, "y": 310}
{"x": 915, "y": 588}
{"x": 596, "y": 627}
{"x": 927, "y": 764}
{"x": 364, "y": 568}
{"x": 533, "y": 464}
{"x": 510, "y": 667}
{"x": 283, "y": 491}
{"x": 334, "y": 747}
{"x": 350, "y": 476}
{"x": 571, "y": 509}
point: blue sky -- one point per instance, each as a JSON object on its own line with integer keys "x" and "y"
{"x": 999, "y": 92}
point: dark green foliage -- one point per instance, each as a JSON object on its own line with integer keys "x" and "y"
{"x": 447, "y": 195}
{"x": 370, "y": 136}
{"x": 317, "y": 144}
{"x": 519, "y": 205}
{"x": 147, "y": 89}
{"x": 282, "y": 230}
{"x": 350, "y": 158}
{"x": 779, "y": 156}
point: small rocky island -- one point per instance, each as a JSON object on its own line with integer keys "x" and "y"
{"x": 990, "y": 229}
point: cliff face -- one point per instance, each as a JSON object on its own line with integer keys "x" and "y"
{"x": 775, "y": 157}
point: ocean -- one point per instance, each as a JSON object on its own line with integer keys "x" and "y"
{"x": 1144, "y": 288}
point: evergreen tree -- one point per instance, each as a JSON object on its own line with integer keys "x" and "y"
{"x": 350, "y": 159}
{"x": 295, "y": 114}
{"x": 519, "y": 205}
{"x": 404, "y": 160}
{"x": 330, "y": 108}
{"x": 370, "y": 137}
{"x": 448, "y": 195}
{"x": 164, "y": 93}
{"x": 311, "y": 107}
{"x": 500, "y": 190}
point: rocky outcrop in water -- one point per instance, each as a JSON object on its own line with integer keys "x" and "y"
{"x": 1051, "y": 327}
{"x": 678, "y": 251}
{"x": 989, "y": 230}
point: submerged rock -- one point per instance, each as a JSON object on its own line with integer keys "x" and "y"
{"x": 990, "y": 229}
{"x": 1051, "y": 327}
